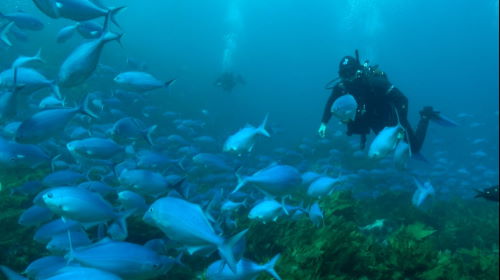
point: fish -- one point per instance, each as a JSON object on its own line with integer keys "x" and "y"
{"x": 8, "y": 105}
{"x": 309, "y": 176}
{"x": 131, "y": 200}
{"x": 244, "y": 139}
{"x": 44, "y": 267}
{"x": 402, "y": 154}
{"x": 28, "y": 79}
{"x": 79, "y": 272}
{"x": 98, "y": 187}
{"x": 81, "y": 205}
{"x": 185, "y": 222}
{"x": 48, "y": 7}
{"x": 212, "y": 162}
{"x": 316, "y": 215}
{"x": 82, "y": 62}
{"x": 245, "y": 269}
{"x": 28, "y": 188}
{"x": 267, "y": 210}
{"x": 59, "y": 244}
{"x": 376, "y": 225}
{"x": 23, "y": 60}
{"x": 24, "y": 20}
{"x": 34, "y": 216}
{"x": 490, "y": 193}
{"x": 89, "y": 29}
{"x": 51, "y": 102}
{"x": 344, "y": 108}
{"x": 65, "y": 33}
{"x": 4, "y": 30}
{"x": 386, "y": 141}
{"x": 147, "y": 159}
{"x": 94, "y": 148}
{"x": 129, "y": 128}
{"x": 423, "y": 190}
{"x": 11, "y": 274}
{"x": 19, "y": 34}
{"x": 275, "y": 179}
{"x": 45, "y": 233}
{"x": 125, "y": 259}
{"x": 231, "y": 206}
{"x": 63, "y": 178}
{"x": 15, "y": 155}
{"x": 140, "y": 81}
{"x": 48, "y": 123}
{"x": 144, "y": 181}
{"x": 323, "y": 186}
{"x": 82, "y": 10}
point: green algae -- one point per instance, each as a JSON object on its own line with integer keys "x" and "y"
{"x": 449, "y": 240}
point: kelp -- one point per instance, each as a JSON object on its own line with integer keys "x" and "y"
{"x": 453, "y": 239}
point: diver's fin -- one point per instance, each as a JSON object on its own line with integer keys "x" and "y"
{"x": 420, "y": 157}
{"x": 444, "y": 121}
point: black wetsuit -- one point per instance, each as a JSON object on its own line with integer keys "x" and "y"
{"x": 377, "y": 101}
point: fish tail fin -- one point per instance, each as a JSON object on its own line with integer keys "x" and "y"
{"x": 178, "y": 187}
{"x": 118, "y": 39}
{"x": 269, "y": 267}
{"x": 53, "y": 161}
{"x": 84, "y": 109}
{"x": 181, "y": 164}
{"x": 113, "y": 12}
{"x": 121, "y": 221}
{"x": 284, "y": 206}
{"x": 479, "y": 193}
{"x": 418, "y": 183}
{"x": 148, "y": 134}
{"x": 242, "y": 181}
{"x": 55, "y": 88}
{"x": 38, "y": 56}
{"x": 3, "y": 34}
{"x": 11, "y": 274}
{"x": 444, "y": 121}
{"x": 262, "y": 127}
{"x": 178, "y": 260}
{"x": 226, "y": 250}
{"x": 168, "y": 83}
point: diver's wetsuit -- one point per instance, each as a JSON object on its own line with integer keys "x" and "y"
{"x": 377, "y": 100}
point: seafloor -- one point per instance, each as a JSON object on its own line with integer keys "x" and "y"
{"x": 449, "y": 239}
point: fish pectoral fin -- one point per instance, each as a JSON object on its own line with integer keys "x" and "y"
{"x": 193, "y": 249}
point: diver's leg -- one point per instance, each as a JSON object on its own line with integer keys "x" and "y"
{"x": 419, "y": 135}
{"x": 426, "y": 114}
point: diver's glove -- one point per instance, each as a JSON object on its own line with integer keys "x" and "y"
{"x": 322, "y": 130}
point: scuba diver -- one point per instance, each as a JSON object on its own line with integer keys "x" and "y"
{"x": 228, "y": 80}
{"x": 490, "y": 193}
{"x": 379, "y": 104}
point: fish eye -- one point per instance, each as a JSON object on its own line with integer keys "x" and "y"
{"x": 50, "y": 195}
{"x": 151, "y": 209}
{"x": 156, "y": 266}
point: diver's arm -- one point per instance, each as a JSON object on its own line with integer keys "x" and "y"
{"x": 400, "y": 104}
{"x": 327, "y": 113}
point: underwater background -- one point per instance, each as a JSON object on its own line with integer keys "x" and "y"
{"x": 438, "y": 53}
